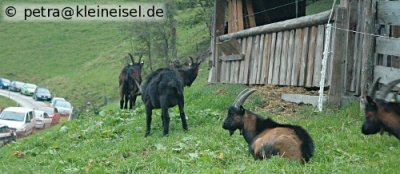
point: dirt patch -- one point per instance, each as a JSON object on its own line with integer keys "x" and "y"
{"x": 272, "y": 102}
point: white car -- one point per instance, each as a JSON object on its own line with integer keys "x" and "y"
{"x": 64, "y": 108}
{"x": 55, "y": 99}
{"x": 18, "y": 119}
{"x": 42, "y": 120}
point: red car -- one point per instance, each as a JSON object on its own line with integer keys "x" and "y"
{"x": 53, "y": 114}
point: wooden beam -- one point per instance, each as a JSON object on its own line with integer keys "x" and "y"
{"x": 368, "y": 50}
{"x": 218, "y": 30}
{"x": 302, "y": 99}
{"x": 230, "y": 47}
{"x": 336, "y": 89}
{"x": 306, "y": 21}
{"x": 388, "y": 46}
{"x": 250, "y": 14}
{"x": 388, "y": 12}
{"x": 234, "y": 57}
{"x": 387, "y": 74}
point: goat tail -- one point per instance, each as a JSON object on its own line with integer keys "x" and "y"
{"x": 177, "y": 86}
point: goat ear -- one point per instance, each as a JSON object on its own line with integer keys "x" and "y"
{"x": 370, "y": 101}
{"x": 241, "y": 108}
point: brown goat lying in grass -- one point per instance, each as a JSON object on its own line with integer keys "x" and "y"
{"x": 267, "y": 137}
{"x": 381, "y": 115}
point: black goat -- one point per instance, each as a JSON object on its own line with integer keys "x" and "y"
{"x": 266, "y": 137}
{"x": 129, "y": 83}
{"x": 163, "y": 89}
{"x": 381, "y": 115}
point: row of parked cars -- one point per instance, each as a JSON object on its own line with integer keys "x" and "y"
{"x": 19, "y": 121}
{"x": 28, "y": 89}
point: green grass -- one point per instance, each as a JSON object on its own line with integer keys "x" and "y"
{"x": 320, "y": 6}
{"x": 80, "y": 61}
{"x": 6, "y": 102}
{"x": 115, "y": 143}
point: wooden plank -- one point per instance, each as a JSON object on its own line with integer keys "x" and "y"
{"x": 240, "y": 15}
{"x": 358, "y": 47}
{"x": 336, "y": 89}
{"x": 302, "y": 99}
{"x": 303, "y": 59}
{"x": 297, "y": 56}
{"x": 277, "y": 61}
{"x": 253, "y": 62}
{"x": 242, "y": 63}
{"x": 387, "y": 74}
{"x": 247, "y": 60}
{"x": 250, "y": 14}
{"x": 350, "y": 70}
{"x": 230, "y": 17}
{"x": 260, "y": 59}
{"x": 230, "y": 47}
{"x": 267, "y": 46}
{"x": 301, "y": 22}
{"x": 284, "y": 58}
{"x": 388, "y": 12}
{"x": 389, "y": 46}
{"x": 236, "y": 57}
{"x": 311, "y": 56}
{"x": 218, "y": 29}
{"x": 290, "y": 57}
{"x": 234, "y": 16}
{"x": 271, "y": 58}
{"x": 395, "y": 59}
{"x": 319, "y": 55}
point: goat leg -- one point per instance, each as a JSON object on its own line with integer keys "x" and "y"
{"x": 148, "y": 120}
{"x": 165, "y": 118}
{"x": 182, "y": 114}
{"x": 126, "y": 101}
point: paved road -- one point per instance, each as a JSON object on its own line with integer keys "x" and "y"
{"x": 25, "y": 101}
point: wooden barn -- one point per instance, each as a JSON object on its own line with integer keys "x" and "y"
{"x": 273, "y": 43}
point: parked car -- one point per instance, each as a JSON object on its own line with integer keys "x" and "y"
{"x": 16, "y": 86}
{"x": 4, "y": 83}
{"x": 28, "y": 89}
{"x": 20, "y": 120}
{"x": 42, "y": 119}
{"x": 42, "y": 94}
{"x": 54, "y": 99}
{"x": 64, "y": 107}
{"x": 6, "y": 135}
{"x": 53, "y": 114}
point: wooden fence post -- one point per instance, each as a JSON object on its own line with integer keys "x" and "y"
{"x": 368, "y": 49}
{"x": 218, "y": 30}
{"x": 339, "y": 53}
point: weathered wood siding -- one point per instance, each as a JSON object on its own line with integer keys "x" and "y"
{"x": 285, "y": 53}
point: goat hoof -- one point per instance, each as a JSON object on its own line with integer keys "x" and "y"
{"x": 147, "y": 134}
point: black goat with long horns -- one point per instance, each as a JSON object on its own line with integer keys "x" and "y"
{"x": 266, "y": 137}
{"x": 129, "y": 83}
{"x": 381, "y": 115}
{"x": 163, "y": 89}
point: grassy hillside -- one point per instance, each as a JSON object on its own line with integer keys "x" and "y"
{"x": 6, "y": 102}
{"x": 80, "y": 61}
{"x": 115, "y": 143}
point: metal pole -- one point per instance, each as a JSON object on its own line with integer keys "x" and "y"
{"x": 327, "y": 51}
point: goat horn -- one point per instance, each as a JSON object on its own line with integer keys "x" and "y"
{"x": 137, "y": 84}
{"x": 191, "y": 59}
{"x": 140, "y": 58}
{"x": 132, "y": 59}
{"x": 240, "y": 94}
{"x": 243, "y": 98}
{"x": 374, "y": 88}
{"x": 389, "y": 87}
